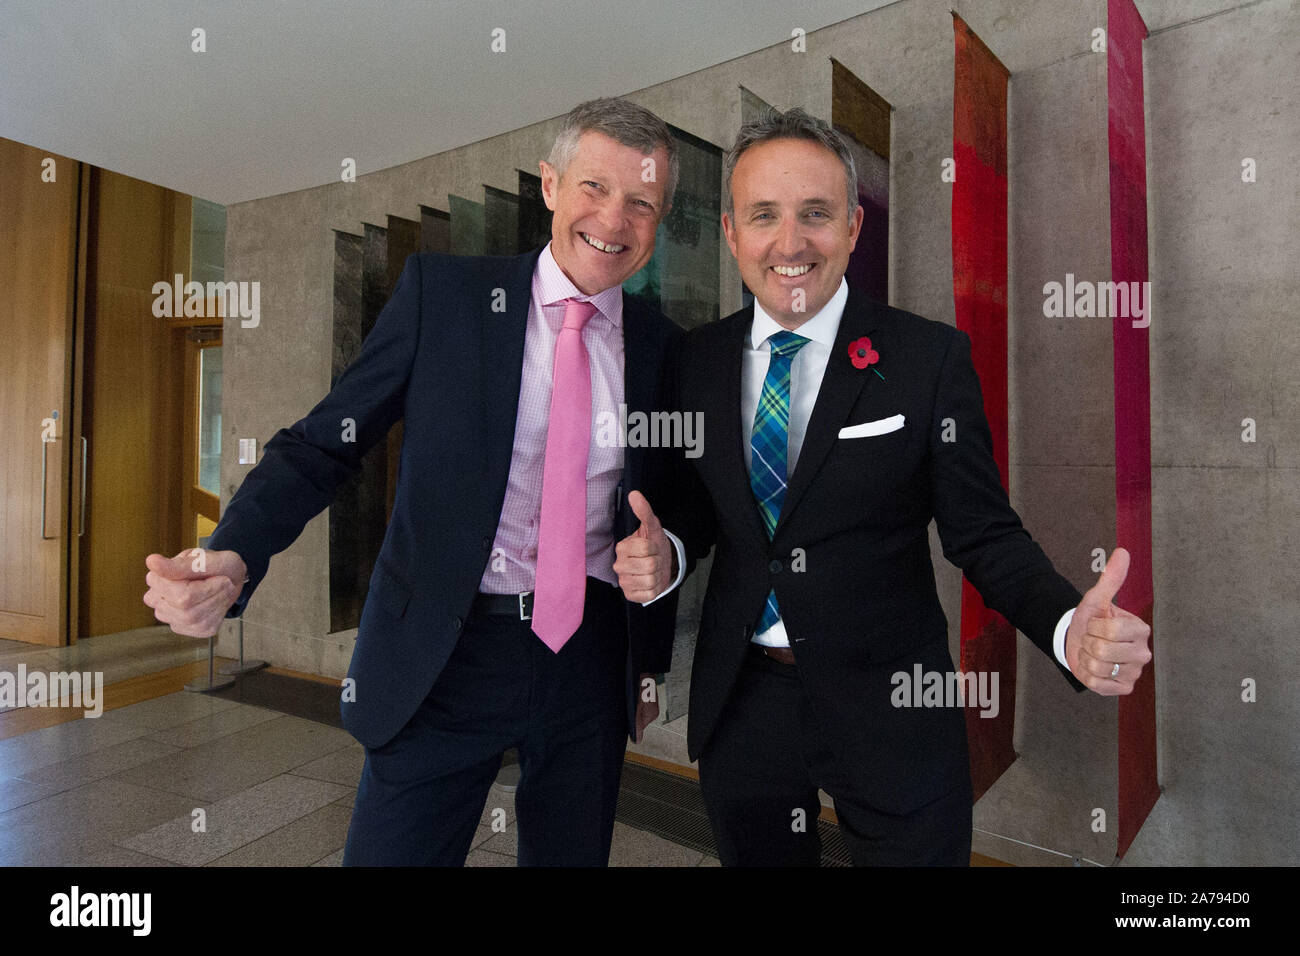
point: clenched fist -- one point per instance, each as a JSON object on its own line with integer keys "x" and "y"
{"x": 193, "y": 591}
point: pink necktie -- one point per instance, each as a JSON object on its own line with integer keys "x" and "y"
{"x": 561, "y": 586}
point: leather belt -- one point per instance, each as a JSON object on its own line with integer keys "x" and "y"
{"x": 782, "y": 654}
{"x": 516, "y": 606}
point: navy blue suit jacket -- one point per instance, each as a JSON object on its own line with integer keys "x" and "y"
{"x": 440, "y": 358}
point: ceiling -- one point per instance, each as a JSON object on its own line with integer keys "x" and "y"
{"x": 287, "y": 88}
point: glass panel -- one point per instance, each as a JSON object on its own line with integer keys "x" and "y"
{"x": 353, "y": 521}
{"x": 210, "y": 419}
{"x": 682, "y": 276}
{"x": 207, "y": 241}
{"x": 203, "y": 528}
{"x": 468, "y": 229}
{"x": 534, "y": 217}
{"x": 500, "y": 222}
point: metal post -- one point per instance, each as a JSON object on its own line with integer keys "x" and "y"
{"x": 211, "y": 683}
{"x": 243, "y": 667}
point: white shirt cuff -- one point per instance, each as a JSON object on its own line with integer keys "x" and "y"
{"x": 681, "y": 568}
{"x": 1058, "y": 639}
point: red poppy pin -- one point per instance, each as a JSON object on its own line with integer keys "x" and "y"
{"x": 862, "y": 355}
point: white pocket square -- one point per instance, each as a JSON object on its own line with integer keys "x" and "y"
{"x": 880, "y": 426}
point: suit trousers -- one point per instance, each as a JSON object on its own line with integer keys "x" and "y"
{"x": 423, "y": 793}
{"x": 763, "y": 765}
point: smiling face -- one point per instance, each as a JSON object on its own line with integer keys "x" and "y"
{"x": 790, "y": 229}
{"x": 603, "y": 230}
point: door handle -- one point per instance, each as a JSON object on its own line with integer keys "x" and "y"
{"x": 45, "y": 451}
{"x": 84, "y": 454}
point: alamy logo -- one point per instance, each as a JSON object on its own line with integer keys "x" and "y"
{"x": 190, "y": 300}
{"x": 950, "y": 689}
{"x": 652, "y": 430}
{"x": 56, "y": 689}
{"x": 1101, "y": 300}
{"x": 102, "y": 909}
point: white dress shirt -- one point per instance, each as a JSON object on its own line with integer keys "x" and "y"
{"x": 513, "y": 567}
{"x": 806, "y": 372}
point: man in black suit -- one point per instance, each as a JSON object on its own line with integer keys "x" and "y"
{"x": 501, "y": 485}
{"x": 835, "y": 428}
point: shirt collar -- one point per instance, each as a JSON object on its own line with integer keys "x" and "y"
{"x": 552, "y": 286}
{"x": 821, "y": 328}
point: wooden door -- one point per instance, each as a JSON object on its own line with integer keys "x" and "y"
{"x": 41, "y": 211}
{"x": 133, "y": 397}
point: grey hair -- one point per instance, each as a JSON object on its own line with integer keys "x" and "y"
{"x": 622, "y": 121}
{"x": 792, "y": 124}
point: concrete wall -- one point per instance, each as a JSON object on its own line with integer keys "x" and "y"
{"x": 1219, "y": 77}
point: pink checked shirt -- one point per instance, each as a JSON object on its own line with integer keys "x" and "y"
{"x": 512, "y": 566}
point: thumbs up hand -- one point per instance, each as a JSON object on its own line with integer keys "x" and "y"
{"x": 193, "y": 591}
{"x": 1102, "y": 635}
{"x": 644, "y": 559}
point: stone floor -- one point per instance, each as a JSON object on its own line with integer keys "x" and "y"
{"x": 145, "y": 650}
{"x": 125, "y": 788}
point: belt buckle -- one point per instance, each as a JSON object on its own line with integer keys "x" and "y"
{"x": 526, "y": 598}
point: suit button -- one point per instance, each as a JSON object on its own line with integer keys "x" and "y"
{"x": 487, "y": 544}
{"x": 775, "y": 566}
{"x": 456, "y": 623}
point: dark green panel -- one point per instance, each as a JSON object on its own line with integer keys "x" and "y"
{"x": 467, "y": 227}
{"x": 500, "y": 222}
{"x": 683, "y": 275}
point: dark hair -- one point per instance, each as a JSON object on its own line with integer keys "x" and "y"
{"x": 792, "y": 124}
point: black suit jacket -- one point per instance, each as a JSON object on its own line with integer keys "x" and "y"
{"x": 850, "y": 557}
{"x": 442, "y": 359}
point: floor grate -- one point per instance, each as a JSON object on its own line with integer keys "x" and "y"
{"x": 308, "y": 699}
{"x": 670, "y": 806}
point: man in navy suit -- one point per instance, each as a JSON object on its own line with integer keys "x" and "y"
{"x": 836, "y": 428}
{"x": 504, "y": 490}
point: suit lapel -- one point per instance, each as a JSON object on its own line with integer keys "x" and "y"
{"x": 638, "y": 381}
{"x": 501, "y": 361}
{"x": 726, "y": 398}
{"x": 639, "y": 362}
{"x": 841, "y": 386}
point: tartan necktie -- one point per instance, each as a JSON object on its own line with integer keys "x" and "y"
{"x": 770, "y": 444}
{"x": 561, "y": 583}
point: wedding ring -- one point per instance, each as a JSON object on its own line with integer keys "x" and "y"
{"x": 1114, "y": 671}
